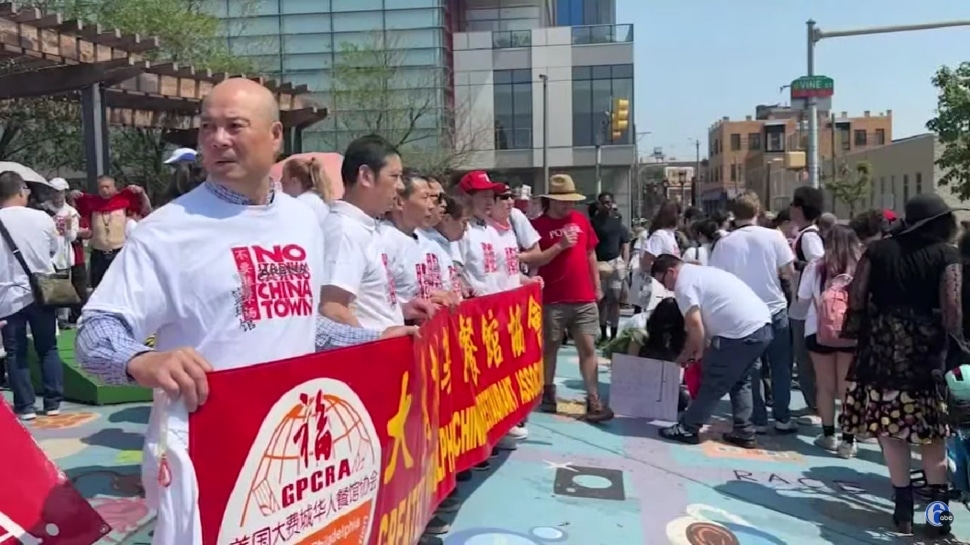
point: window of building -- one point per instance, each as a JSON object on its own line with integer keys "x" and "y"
{"x": 919, "y": 183}
{"x": 754, "y": 141}
{"x": 776, "y": 142}
{"x": 860, "y": 137}
{"x": 502, "y": 19}
{"x": 594, "y": 90}
{"x": 882, "y": 185}
{"x": 905, "y": 187}
{"x": 734, "y": 172}
{"x": 735, "y": 142}
{"x": 584, "y": 12}
{"x": 513, "y": 109}
{"x": 880, "y": 137}
{"x": 717, "y": 146}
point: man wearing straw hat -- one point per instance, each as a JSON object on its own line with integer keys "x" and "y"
{"x": 571, "y": 290}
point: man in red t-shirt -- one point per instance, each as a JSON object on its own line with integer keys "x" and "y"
{"x": 571, "y": 291}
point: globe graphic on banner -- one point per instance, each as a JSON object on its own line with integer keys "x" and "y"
{"x": 312, "y": 474}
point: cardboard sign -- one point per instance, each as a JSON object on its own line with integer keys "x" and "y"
{"x": 645, "y": 388}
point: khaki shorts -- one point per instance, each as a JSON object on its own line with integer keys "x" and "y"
{"x": 578, "y": 318}
{"x": 613, "y": 275}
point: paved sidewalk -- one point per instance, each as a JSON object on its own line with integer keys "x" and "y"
{"x": 573, "y": 483}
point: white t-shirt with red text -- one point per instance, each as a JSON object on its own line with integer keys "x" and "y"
{"x": 482, "y": 268}
{"x": 239, "y": 284}
{"x": 405, "y": 260}
{"x": 358, "y": 263}
{"x": 442, "y": 273}
{"x": 66, "y": 221}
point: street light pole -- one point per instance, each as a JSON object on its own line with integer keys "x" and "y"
{"x": 545, "y": 132}
{"x": 814, "y": 36}
{"x": 697, "y": 172}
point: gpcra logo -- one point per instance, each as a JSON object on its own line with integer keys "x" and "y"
{"x": 311, "y": 476}
{"x": 938, "y": 514}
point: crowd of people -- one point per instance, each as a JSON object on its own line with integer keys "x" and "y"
{"x": 397, "y": 246}
{"x": 865, "y": 318}
{"x": 860, "y": 317}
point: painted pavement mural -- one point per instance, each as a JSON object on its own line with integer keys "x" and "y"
{"x": 570, "y": 483}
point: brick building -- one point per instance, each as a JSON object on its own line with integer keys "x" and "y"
{"x": 766, "y": 152}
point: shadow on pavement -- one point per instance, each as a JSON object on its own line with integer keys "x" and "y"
{"x": 115, "y": 438}
{"x": 845, "y": 504}
{"x": 133, "y": 415}
{"x": 114, "y": 481}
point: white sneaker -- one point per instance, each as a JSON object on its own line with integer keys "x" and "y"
{"x": 507, "y": 443}
{"x": 810, "y": 420}
{"x": 52, "y": 412}
{"x": 786, "y": 427}
{"x": 518, "y": 433}
{"x": 847, "y": 450}
{"x": 827, "y": 442}
{"x": 27, "y": 417}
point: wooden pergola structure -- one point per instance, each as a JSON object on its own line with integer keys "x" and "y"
{"x": 105, "y": 69}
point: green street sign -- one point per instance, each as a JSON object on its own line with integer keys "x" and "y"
{"x": 813, "y": 86}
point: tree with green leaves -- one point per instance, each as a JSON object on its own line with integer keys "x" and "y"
{"x": 373, "y": 90}
{"x": 188, "y": 34}
{"x": 952, "y": 127}
{"x": 852, "y": 185}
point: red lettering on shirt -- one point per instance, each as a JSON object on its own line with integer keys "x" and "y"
{"x": 512, "y": 261}
{"x": 567, "y": 278}
{"x": 275, "y": 283}
{"x": 391, "y": 288}
{"x": 490, "y": 260}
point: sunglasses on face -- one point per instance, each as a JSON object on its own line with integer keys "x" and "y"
{"x": 503, "y": 197}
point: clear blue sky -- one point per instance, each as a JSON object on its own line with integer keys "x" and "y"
{"x": 699, "y": 60}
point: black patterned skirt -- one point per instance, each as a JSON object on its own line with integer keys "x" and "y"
{"x": 892, "y": 386}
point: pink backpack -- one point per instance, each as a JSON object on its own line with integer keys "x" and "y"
{"x": 831, "y": 307}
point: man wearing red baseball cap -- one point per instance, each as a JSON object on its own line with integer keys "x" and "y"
{"x": 477, "y": 181}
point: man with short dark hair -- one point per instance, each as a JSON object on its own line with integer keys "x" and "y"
{"x": 34, "y": 234}
{"x": 806, "y": 208}
{"x": 728, "y": 328}
{"x": 612, "y": 256}
{"x": 356, "y": 273}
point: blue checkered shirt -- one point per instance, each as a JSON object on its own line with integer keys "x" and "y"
{"x": 105, "y": 342}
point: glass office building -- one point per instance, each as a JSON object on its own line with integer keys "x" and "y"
{"x": 302, "y": 41}
{"x": 585, "y": 12}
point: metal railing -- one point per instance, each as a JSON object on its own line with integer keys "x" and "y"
{"x": 602, "y": 34}
{"x": 507, "y": 39}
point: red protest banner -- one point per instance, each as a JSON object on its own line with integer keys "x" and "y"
{"x": 357, "y": 446}
{"x": 38, "y": 504}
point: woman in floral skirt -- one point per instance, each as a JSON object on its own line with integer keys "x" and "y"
{"x": 904, "y": 301}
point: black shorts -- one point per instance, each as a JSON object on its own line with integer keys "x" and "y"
{"x": 811, "y": 343}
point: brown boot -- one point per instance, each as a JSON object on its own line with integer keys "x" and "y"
{"x": 548, "y": 403}
{"x": 596, "y": 410}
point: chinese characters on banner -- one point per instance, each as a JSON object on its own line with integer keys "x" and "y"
{"x": 37, "y": 502}
{"x": 359, "y": 445}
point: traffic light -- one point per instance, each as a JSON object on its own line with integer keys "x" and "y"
{"x": 619, "y": 117}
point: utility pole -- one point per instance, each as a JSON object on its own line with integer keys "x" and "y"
{"x": 697, "y": 172}
{"x": 816, "y": 35}
{"x": 599, "y": 158}
{"x": 545, "y": 132}
{"x": 604, "y": 127}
